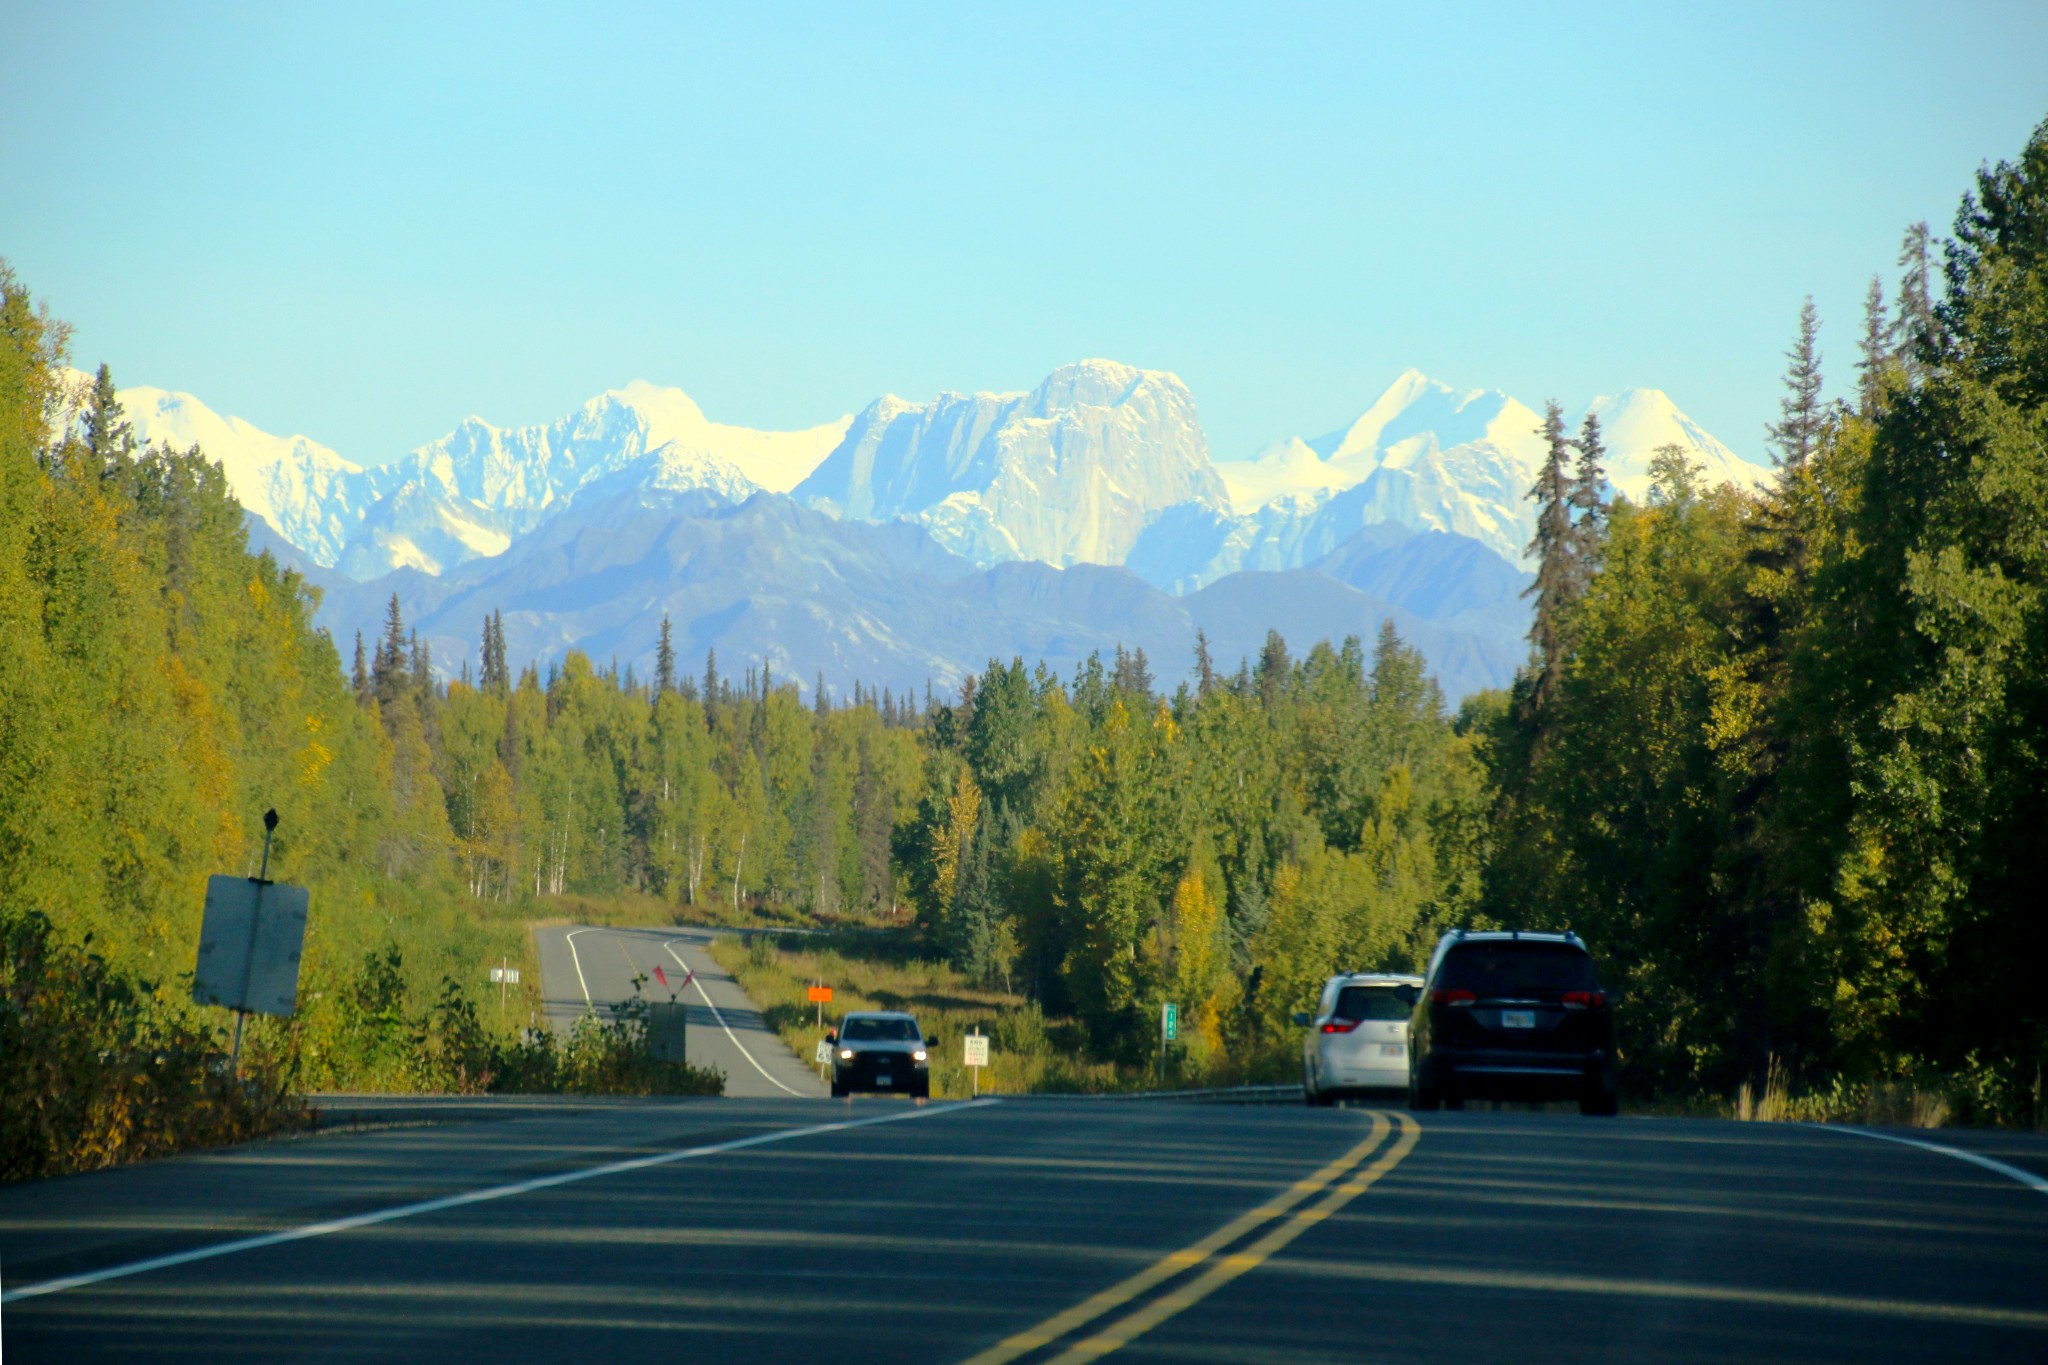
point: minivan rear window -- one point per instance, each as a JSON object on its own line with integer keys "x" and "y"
{"x": 1370, "y": 1002}
{"x": 1516, "y": 969}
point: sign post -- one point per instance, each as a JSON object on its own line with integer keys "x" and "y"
{"x": 504, "y": 976}
{"x": 821, "y": 995}
{"x": 249, "y": 944}
{"x": 977, "y": 1056}
{"x": 1169, "y": 1030}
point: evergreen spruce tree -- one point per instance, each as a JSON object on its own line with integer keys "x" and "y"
{"x": 710, "y": 685}
{"x": 1876, "y": 351}
{"x": 1205, "y": 668}
{"x": 665, "y": 659}
{"x": 1918, "y": 332}
{"x": 1273, "y": 669}
{"x": 1802, "y": 418}
{"x": 109, "y": 439}
{"x": 873, "y": 826}
{"x": 390, "y": 672}
{"x": 1555, "y": 551}
{"x": 1588, "y": 501}
{"x": 491, "y": 676}
{"x": 359, "y": 678}
{"x": 425, "y": 694}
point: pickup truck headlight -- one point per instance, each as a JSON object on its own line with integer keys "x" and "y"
{"x": 917, "y": 1056}
{"x": 846, "y": 1054}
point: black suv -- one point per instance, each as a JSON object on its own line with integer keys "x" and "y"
{"x": 878, "y": 1050}
{"x": 1512, "y": 1016}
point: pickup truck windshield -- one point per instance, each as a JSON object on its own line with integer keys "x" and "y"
{"x": 880, "y": 1031}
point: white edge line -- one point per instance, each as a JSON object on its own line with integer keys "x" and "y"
{"x": 570, "y": 939}
{"x": 699, "y": 981}
{"x": 2027, "y": 1178}
{"x": 454, "y": 1201}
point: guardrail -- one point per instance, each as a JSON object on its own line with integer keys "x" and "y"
{"x": 1235, "y": 1094}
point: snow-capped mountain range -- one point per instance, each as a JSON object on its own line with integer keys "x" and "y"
{"x": 1436, "y": 458}
{"x": 1101, "y": 464}
{"x": 477, "y": 489}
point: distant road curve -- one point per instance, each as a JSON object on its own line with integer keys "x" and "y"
{"x": 591, "y": 967}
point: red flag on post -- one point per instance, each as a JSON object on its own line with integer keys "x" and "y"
{"x": 660, "y": 976}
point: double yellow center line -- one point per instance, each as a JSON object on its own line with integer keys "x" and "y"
{"x": 1285, "y": 1210}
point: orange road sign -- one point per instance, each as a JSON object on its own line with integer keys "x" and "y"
{"x": 822, "y": 994}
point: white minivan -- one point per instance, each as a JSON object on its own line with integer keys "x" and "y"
{"x": 1358, "y": 1038}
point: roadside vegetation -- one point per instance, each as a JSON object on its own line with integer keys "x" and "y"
{"x": 895, "y": 970}
{"x": 1780, "y": 756}
{"x": 1783, "y": 757}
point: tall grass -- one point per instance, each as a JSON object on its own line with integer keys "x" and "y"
{"x": 1972, "y": 1094}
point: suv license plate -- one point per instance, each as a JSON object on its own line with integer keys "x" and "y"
{"x": 885, "y": 1079}
{"x": 1518, "y": 1019}
{"x": 1391, "y": 1049}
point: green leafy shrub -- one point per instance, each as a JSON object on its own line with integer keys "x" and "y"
{"x": 99, "y": 1068}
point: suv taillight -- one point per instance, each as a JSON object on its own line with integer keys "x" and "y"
{"x": 1340, "y": 1026}
{"x": 1452, "y": 997}
{"x": 1584, "y": 1000}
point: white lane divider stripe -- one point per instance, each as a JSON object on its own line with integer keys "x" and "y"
{"x": 575, "y": 957}
{"x": 670, "y": 949}
{"x": 2027, "y": 1178}
{"x": 456, "y": 1201}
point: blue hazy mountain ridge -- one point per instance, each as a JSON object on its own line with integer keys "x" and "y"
{"x": 879, "y": 602}
{"x": 1449, "y": 579}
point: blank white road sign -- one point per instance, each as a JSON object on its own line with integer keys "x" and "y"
{"x": 249, "y": 945}
{"x": 977, "y": 1049}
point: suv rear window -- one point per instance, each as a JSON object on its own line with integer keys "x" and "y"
{"x": 1369, "y": 1002}
{"x": 1516, "y": 969}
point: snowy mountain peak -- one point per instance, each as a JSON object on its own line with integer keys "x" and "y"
{"x": 1634, "y": 422}
{"x": 1289, "y": 468}
{"x": 302, "y": 489}
{"x": 1413, "y": 405}
{"x": 1095, "y": 383}
{"x": 1069, "y": 473}
{"x": 1433, "y": 458}
{"x": 476, "y": 489}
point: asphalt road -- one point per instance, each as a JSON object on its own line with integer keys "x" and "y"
{"x": 778, "y": 1230}
{"x": 594, "y": 968}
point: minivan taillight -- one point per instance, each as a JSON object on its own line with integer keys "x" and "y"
{"x": 1452, "y": 997}
{"x": 1584, "y": 1000}
{"x": 1340, "y": 1026}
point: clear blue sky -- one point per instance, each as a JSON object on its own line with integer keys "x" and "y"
{"x": 364, "y": 223}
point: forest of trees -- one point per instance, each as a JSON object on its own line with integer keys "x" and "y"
{"x": 1785, "y": 757}
{"x": 1087, "y": 841}
{"x": 1781, "y": 757}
